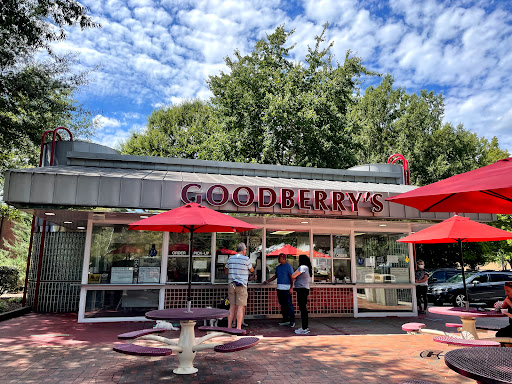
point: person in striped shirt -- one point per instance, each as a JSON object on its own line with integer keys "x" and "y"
{"x": 237, "y": 268}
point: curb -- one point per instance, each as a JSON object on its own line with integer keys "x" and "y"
{"x": 15, "y": 313}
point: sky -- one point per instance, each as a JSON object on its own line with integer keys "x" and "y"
{"x": 154, "y": 53}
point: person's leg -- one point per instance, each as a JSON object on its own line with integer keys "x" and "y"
{"x": 425, "y": 298}
{"x": 289, "y": 307}
{"x": 241, "y": 302}
{"x": 302, "y": 299}
{"x": 281, "y": 297}
{"x": 232, "y": 304}
{"x": 505, "y": 332}
{"x": 418, "y": 297}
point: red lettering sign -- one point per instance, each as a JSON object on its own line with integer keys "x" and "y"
{"x": 304, "y": 199}
{"x": 377, "y": 204}
{"x": 249, "y": 195}
{"x": 337, "y": 198}
{"x": 184, "y": 194}
{"x": 287, "y": 201}
{"x": 212, "y": 201}
{"x": 272, "y": 197}
{"x": 319, "y": 200}
{"x": 354, "y": 200}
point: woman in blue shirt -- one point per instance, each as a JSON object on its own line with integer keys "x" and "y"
{"x": 301, "y": 278}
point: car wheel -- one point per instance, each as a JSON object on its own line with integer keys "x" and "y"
{"x": 460, "y": 300}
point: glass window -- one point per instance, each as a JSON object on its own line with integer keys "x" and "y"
{"x": 384, "y": 300}
{"x": 381, "y": 259}
{"x": 322, "y": 261}
{"x": 341, "y": 263}
{"x": 226, "y": 246}
{"x": 291, "y": 243}
{"x": 120, "y": 303}
{"x": 480, "y": 278}
{"x": 120, "y": 256}
{"x": 177, "y": 265}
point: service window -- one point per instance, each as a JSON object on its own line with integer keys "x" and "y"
{"x": 177, "y": 265}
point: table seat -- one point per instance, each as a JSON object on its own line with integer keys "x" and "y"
{"x": 140, "y": 350}
{"x": 231, "y": 331}
{"x": 238, "y": 345}
{"x": 139, "y": 333}
{"x": 465, "y": 342}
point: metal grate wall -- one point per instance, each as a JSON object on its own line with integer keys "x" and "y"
{"x": 263, "y": 301}
{"x": 61, "y": 271}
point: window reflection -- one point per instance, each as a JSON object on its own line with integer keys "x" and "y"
{"x": 226, "y": 246}
{"x": 177, "y": 264}
{"x": 120, "y": 256}
{"x": 384, "y": 300}
{"x": 381, "y": 259}
{"x": 291, "y": 243}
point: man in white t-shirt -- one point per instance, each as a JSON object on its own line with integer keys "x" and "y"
{"x": 237, "y": 268}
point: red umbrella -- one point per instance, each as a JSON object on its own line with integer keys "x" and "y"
{"x": 225, "y": 251}
{"x": 192, "y": 218}
{"x": 457, "y": 229}
{"x": 483, "y": 190}
{"x": 287, "y": 250}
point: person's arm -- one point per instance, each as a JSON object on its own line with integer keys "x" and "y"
{"x": 506, "y": 303}
{"x": 270, "y": 280}
{"x": 425, "y": 278}
{"x": 293, "y": 277}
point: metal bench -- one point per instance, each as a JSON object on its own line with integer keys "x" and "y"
{"x": 237, "y": 345}
{"x": 231, "y": 331}
{"x": 142, "y": 332}
{"x": 139, "y": 350}
{"x": 465, "y": 342}
{"x": 412, "y": 328}
{"x": 454, "y": 325}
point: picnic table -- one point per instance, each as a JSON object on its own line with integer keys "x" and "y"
{"x": 187, "y": 345}
{"x": 467, "y": 316}
{"x": 486, "y": 365}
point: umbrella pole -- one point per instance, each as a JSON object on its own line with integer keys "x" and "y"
{"x": 463, "y": 274}
{"x": 189, "y": 291}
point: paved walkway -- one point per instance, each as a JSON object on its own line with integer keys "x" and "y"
{"x": 54, "y": 348}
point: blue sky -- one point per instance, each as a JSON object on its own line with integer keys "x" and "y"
{"x": 152, "y": 53}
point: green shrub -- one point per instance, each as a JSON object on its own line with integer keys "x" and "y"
{"x": 15, "y": 299}
{"x": 8, "y": 279}
{"x": 3, "y": 306}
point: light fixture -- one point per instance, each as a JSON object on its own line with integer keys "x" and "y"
{"x": 80, "y": 227}
{"x": 144, "y": 217}
{"x": 304, "y": 222}
{"x": 383, "y": 225}
{"x": 281, "y": 232}
{"x": 49, "y": 214}
{"x": 68, "y": 222}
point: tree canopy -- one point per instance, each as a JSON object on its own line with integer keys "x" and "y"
{"x": 37, "y": 94}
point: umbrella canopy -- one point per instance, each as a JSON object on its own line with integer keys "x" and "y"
{"x": 225, "y": 251}
{"x": 483, "y": 190}
{"x": 457, "y": 229}
{"x": 192, "y": 218}
{"x": 291, "y": 250}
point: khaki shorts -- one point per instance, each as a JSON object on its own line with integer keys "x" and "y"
{"x": 237, "y": 294}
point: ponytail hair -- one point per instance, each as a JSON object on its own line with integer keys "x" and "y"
{"x": 304, "y": 260}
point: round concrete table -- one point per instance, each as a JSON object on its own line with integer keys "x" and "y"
{"x": 187, "y": 346}
{"x": 468, "y": 317}
{"x": 486, "y": 365}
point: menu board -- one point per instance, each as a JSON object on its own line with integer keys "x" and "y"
{"x": 121, "y": 275}
{"x": 401, "y": 274}
{"x": 149, "y": 274}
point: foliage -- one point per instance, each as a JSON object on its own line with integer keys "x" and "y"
{"x": 15, "y": 254}
{"x": 500, "y": 251}
{"x": 178, "y": 131}
{"x": 8, "y": 279}
{"x": 447, "y": 255}
{"x": 36, "y": 95}
{"x": 393, "y": 121}
{"x": 274, "y": 110}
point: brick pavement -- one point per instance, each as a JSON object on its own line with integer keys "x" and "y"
{"x": 43, "y": 348}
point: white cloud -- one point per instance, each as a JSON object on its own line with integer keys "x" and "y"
{"x": 105, "y": 123}
{"x": 154, "y": 53}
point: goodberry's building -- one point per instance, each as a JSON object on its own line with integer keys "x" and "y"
{"x": 83, "y": 257}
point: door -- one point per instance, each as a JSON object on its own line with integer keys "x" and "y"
{"x": 480, "y": 288}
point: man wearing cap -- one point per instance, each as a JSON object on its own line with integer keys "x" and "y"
{"x": 237, "y": 268}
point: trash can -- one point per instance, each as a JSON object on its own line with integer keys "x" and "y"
{"x": 386, "y": 296}
{"x": 370, "y": 292}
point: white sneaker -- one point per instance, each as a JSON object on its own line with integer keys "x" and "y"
{"x": 301, "y": 331}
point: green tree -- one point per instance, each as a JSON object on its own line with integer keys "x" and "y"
{"x": 37, "y": 95}
{"x": 274, "y": 110}
{"x": 393, "y": 121}
{"x": 181, "y": 130}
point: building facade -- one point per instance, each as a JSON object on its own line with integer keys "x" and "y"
{"x": 85, "y": 259}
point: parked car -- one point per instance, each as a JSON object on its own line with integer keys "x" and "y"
{"x": 440, "y": 275}
{"x": 483, "y": 287}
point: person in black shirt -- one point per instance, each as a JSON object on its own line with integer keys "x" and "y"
{"x": 421, "y": 278}
{"x": 507, "y": 303}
